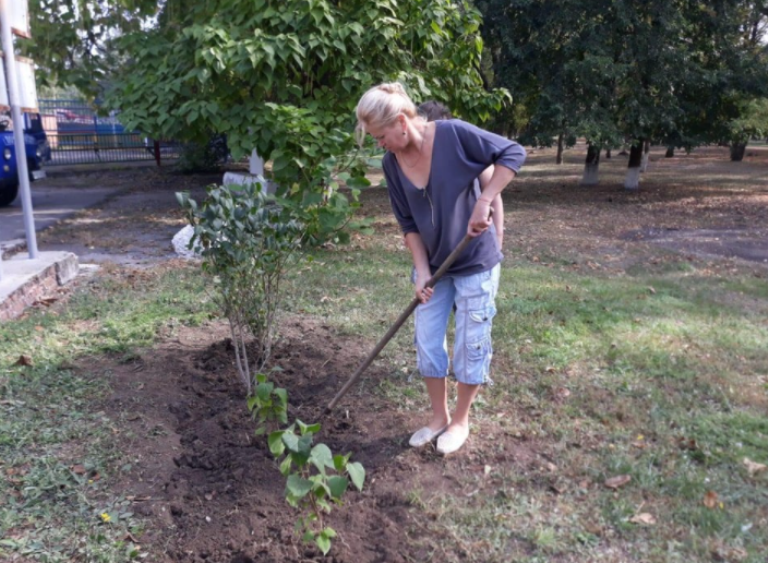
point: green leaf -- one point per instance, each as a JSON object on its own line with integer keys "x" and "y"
{"x": 308, "y": 428}
{"x": 323, "y": 543}
{"x": 304, "y": 445}
{"x": 291, "y": 441}
{"x": 321, "y": 457}
{"x": 275, "y": 441}
{"x": 337, "y": 485}
{"x": 340, "y": 462}
{"x": 285, "y": 465}
{"x": 357, "y": 474}
{"x": 298, "y": 486}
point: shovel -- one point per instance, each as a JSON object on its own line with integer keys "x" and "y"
{"x": 400, "y": 320}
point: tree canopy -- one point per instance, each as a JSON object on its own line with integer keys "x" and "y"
{"x": 623, "y": 69}
{"x": 284, "y": 76}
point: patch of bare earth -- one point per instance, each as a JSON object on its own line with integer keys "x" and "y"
{"x": 211, "y": 491}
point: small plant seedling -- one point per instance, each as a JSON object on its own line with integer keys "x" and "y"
{"x": 267, "y": 404}
{"x": 316, "y": 479}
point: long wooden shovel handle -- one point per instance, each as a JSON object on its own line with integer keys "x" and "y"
{"x": 399, "y": 322}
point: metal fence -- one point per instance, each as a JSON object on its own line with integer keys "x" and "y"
{"x": 77, "y": 134}
{"x": 91, "y": 148}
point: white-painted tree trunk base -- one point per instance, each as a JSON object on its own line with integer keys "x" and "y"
{"x": 591, "y": 175}
{"x": 644, "y": 162}
{"x": 242, "y": 179}
{"x": 256, "y": 164}
{"x": 180, "y": 243}
{"x": 632, "y": 180}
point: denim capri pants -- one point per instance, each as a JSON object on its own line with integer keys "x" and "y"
{"x": 474, "y": 296}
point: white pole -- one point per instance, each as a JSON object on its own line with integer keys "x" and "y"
{"x": 12, "y": 79}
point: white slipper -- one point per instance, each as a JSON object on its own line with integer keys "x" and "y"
{"x": 425, "y": 436}
{"x": 450, "y": 442}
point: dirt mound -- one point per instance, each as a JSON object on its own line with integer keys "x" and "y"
{"x": 212, "y": 491}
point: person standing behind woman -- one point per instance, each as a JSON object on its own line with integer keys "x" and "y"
{"x": 430, "y": 168}
{"x": 433, "y": 111}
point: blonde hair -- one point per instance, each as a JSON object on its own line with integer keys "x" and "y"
{"x": 380, "y": 107}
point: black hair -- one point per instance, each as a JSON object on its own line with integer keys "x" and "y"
{"x": 434, "y": 111}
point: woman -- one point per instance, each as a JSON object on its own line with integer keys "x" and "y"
{"x": 432, "y": 111}
{"x": 430, "y": 169}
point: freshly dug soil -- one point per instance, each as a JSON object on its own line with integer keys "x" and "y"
{"x": 211, "y": 489}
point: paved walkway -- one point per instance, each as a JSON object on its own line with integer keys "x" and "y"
{"x": 66, "y": 191}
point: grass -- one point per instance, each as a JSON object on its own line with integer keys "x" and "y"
{"x": 657, "y": 371}
{"x": 665, "y": 370}
{"x": 57, "y": 446}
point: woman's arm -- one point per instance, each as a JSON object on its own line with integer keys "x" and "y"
{"x": 479, "y": 221}
{"x": 421, "y": 264}
{"x": 497, "y": 205}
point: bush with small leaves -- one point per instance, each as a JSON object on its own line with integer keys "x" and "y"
{"x": 247, "y": 242}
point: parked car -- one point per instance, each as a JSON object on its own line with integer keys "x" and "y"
{"x": 9, "y": 175}
{"x": 33, "y": 124}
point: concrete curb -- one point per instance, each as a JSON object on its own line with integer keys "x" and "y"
{"x": 25, "y": 281}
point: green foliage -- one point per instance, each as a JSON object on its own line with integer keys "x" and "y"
{"x": 247, "y": 242}
{"x": 751, "y": 122}
{"x": 200, "y": 157}
{"x": 609, "y": 70}
{"x": 315, "y": 478}
{"x": 284, "y": 78}
{"x": 268, "y": 404}
{"x": 73, "y": 41}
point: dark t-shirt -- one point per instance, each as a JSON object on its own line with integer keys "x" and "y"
{"x": 440, "y": 212}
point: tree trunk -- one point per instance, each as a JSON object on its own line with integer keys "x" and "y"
{"x": 608, "y": 154}
{"x": 646, "y": 155}
{"x": 591, "y": 166}
{"x": 737, "y": 151}
{"x": 632, "y": 180}
{"x": 670, "y": 152}
{"x": 559, "y": 158}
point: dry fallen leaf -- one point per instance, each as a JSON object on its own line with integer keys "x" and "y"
{"x": 643, "y": 518}
{"x": 24, "y": 361}
{"x": 129, "y": 537}
{"x": 753, "y": 468}
{"x": 78, "y": 470}
{"x": 710, "y": 499}
{"x": 618, "y": 481}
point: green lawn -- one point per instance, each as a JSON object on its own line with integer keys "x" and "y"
{"x": 658, "y": 372}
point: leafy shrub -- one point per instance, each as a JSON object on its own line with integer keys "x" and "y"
{"x": 247, "y": 242}
{"x": 203, "y": 157}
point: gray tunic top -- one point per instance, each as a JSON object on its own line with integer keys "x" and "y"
{"x": 440, "y": 212}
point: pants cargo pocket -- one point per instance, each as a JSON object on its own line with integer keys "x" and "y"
{"x": 479, "y": 349}
{"x": 478, "y": 361}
